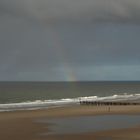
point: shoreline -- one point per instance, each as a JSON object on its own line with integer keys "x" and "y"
{"x": 22, "y": 124}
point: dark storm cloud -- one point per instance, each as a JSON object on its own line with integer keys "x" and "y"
{"x": 87, "y": 39}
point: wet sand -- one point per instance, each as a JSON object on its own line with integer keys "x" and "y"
{"x": 21, "y": 125}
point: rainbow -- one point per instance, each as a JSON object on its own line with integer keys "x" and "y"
{"x": 65, "y": 68}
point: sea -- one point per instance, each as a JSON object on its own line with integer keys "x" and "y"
{"x": 38, "y": 95}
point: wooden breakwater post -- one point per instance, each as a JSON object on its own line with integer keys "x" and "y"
{"x": 107, "y": 103}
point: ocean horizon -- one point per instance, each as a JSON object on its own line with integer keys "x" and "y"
{"x": 36, "y": 95}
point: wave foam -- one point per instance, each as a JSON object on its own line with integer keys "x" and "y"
{"x": 39, "y": 104}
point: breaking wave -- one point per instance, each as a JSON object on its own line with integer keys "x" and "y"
{"x": 40, "y": 104}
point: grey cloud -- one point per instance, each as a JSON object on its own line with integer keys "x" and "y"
{"x": 75, "y": 10}
{"x": 33, "y": 47}
{"x": 101, "y": 44}
{"x": 31, "y": 51}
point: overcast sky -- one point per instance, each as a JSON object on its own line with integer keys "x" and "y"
{"x": 68, "y": 40}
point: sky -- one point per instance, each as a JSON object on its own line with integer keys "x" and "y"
{"x": 69, "y": 40}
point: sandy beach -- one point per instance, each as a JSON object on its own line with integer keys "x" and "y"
{"x": 23, "y": 124}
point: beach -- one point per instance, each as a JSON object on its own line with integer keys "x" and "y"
{"x": 25, "y": 125}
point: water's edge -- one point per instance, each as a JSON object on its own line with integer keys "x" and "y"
{"x": 39, "y": 104}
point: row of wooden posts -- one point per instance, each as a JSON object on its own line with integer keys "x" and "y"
{"x": 99, "y": 103}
